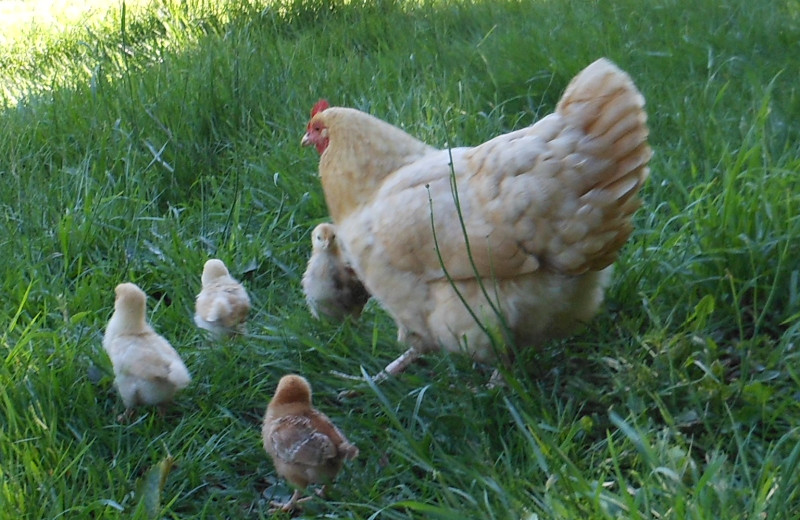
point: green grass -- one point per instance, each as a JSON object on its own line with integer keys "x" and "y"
{"x": 137, "y": 145}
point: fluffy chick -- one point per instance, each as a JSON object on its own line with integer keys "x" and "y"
{"x": 329, "y": 283}
{"x": 223, "y": 304}
{"x": 147, "y": 370}
{"x": 305, "y": 446}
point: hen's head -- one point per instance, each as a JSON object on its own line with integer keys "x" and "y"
{"x": 316, "y": 131}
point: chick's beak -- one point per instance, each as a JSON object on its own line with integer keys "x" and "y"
{"x": 306, "y": 140}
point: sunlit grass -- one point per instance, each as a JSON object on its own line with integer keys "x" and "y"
{"x": 45, "y": 45}
{"x": 20, "y": 19}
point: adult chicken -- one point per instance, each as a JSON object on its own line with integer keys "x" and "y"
{"x": 506, "y": 243}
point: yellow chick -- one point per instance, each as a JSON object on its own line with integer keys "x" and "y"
{"x": 147, "y": 370}
{"x": 305, "y": 446}
{"x": 330, "y": 285}
{"x": 223, "y": 304}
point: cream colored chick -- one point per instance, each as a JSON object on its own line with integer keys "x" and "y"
{"x": 147, "y": 370}
{"x": 329, "y": 283}
{"x": 305, "y": 446}
{"x": 223, "y": 304}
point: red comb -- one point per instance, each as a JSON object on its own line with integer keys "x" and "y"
{"x": 321, "y": 105}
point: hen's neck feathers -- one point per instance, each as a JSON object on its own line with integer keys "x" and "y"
{"x": 362, "y": 152}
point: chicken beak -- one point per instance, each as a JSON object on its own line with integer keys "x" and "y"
{"x": 306, "y": 140}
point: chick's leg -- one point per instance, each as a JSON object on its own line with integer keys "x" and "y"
{"x": 127, "y": 415}
{"x": 291, "y": 505}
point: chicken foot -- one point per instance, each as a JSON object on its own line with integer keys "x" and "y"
{"x": 394, "y": 368}
{"x": 295, "y": 501}
{"x": 291, "y": 505}
{"x": 400, "y": 364}
{"x": 127, "y": 415}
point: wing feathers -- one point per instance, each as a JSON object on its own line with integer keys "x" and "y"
{"x": 558, "y": 194}
{"x": 296, "y": 441}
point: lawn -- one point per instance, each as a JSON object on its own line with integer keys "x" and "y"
{"x": 142, "y": 140}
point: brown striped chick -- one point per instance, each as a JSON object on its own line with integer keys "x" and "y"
{"x": 147, "y": 370}
{"x": 305, "y": 446}
{"x": 223, "y": 304}
{"x": 330, "y": 285}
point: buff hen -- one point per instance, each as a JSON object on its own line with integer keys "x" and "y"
{"x": 305, "y": 446}
{"x": 222, "y": 305}
{"x": 331, "y": 287}
{"x": 147, "y": 370}
{"x": 506, "y": 243}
